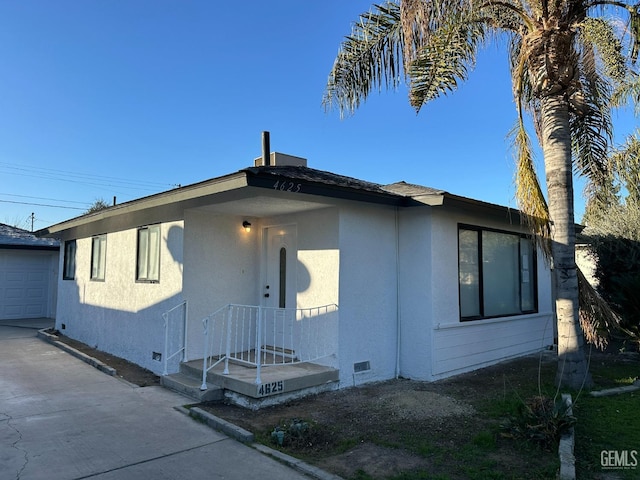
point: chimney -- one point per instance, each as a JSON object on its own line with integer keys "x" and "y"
{"x": 271, "y": 159}
{"x": 266, "y": 149}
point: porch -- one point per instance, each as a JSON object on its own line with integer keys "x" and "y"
{"x": 256, "y": 356}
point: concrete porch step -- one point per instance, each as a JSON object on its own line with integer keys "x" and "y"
{"x": 279, "y": 383}
{"x": 188, "y": 385}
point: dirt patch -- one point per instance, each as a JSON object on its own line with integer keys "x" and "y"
{"x": 424, "y": 405}
{"x": 441, "y": 429}
{"x": 373, "y": 460}
{"x": 124, "y": 369}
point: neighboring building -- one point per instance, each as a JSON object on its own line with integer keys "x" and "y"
{"x": 423, "y": 284}
{"x": 28, "y": 274}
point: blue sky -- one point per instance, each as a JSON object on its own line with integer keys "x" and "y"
{"x": 128, "y": 98}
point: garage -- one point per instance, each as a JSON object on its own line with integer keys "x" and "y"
{"x": 28, "y": 274}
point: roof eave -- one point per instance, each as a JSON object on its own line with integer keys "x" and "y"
{"x": 268, "y": 180}
{"x": 166, "y": 205}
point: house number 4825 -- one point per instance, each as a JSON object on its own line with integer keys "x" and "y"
{"x": 270, "y": 388}
{"x": 285, "y": 186}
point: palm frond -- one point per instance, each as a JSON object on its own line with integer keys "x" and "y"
{"x": 445, "y": 58}
{"x": 628, "y": 90}
{"x": 600, "y": 64}
{"x": 597, "y": 319}
{"x": 626, "y": 164}
{"x": 528, "y": 191}
{"x": 370, "y": 58}
{"x": 590, "y": 141}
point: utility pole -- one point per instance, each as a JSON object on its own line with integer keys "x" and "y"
{"x": 32, "y": 218}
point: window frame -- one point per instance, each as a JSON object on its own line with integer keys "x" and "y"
{"x": 69, "y": 260}
{"x": 146, "y": 277}
{"x": 533, "y": 275}
{"x": 101, "y": 259}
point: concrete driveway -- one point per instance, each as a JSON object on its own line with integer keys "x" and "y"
{"x": 62, "y": 419}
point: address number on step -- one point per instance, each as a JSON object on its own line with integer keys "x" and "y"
{"x": 270, "y": 388}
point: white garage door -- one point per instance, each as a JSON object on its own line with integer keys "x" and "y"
{"x": 24, "y": 284}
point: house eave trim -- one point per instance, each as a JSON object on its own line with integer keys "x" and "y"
{"x": 173, "y": 202}
{"x": 50, "y": 248}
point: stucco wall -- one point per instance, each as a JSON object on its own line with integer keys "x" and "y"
{"x": 417, "y": 289}
{"x": 463, "y": 346}
{"x": 221, "y": 266}
{"x": 368, "y": 293}
{"x": 119, "y": 315}
{"x": 318, "y": 257}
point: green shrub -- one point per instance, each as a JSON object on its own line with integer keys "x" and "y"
{"x": 539, "y": 420}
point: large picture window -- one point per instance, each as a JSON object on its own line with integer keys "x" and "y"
{"x": 497, "y": 275}
{"x": 98, "y": 257}
{"x": 69, "y": 267}
{"x": 148, "y": 262}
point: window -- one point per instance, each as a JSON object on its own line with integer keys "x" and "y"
{"x": 98, "y": 257}
{"x": 148, "y": 263}
{"x": 496, "y": 272}
{"x": 69, "y": 268}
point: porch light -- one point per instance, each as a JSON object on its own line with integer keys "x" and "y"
{"x": 247, "y": 226}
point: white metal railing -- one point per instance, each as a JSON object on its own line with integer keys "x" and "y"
{"x": 175, "y": 334}
{"x": 263, "y": 336}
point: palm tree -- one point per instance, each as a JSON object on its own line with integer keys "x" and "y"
{"x": 565, "y": 64}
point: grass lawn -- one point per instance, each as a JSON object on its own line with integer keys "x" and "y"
{"x": 609, "y": 423}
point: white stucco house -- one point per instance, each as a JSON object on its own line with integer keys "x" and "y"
{"x": 28, "y": 274}
{"x": 392, "y": 280}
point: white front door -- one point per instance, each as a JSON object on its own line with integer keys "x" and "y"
{"x": 279, "y": 294}
{"x": 279, "y": 290}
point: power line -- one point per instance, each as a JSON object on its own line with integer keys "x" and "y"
{"x": 42, "y": 205}
{"x": 44, "y": 198}
{"x": 86, "y": 178}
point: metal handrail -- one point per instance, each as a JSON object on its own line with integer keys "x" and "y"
{"x": 183, "y": 348}
{"x": 260, "y": 336}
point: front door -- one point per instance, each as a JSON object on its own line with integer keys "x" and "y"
{"x": 279, "y": 294}
{"x": 281, "y": 260}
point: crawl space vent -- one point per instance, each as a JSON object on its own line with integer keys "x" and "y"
{"x": 361, "y": 367}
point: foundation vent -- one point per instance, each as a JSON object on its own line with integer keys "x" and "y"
{"x": 360, "y": 367}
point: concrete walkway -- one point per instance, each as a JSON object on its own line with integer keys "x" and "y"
{"x": 63, "y": 419}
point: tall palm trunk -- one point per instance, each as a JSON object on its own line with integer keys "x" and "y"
{"x": 573, "y": 369}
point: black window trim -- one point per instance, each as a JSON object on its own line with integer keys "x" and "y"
{"x": 534, "y": 274}
{"x": 70, "y": 249}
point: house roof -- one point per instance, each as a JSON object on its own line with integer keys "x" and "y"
{"x": 13, "y": 237}
{"x": 258, "y": 191}
{"x": 320, "y": 182}
{"x": 314, "y": 175}
{"x": 426, "y": 195}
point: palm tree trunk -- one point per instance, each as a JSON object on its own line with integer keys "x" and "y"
{"x": 573, "y": 371}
